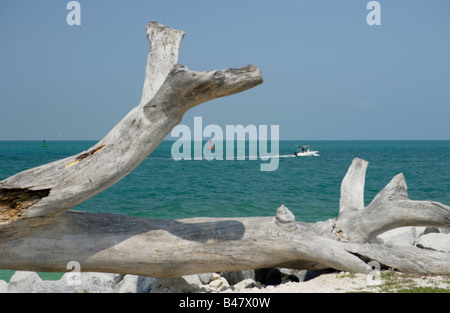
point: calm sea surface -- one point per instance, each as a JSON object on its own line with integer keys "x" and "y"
{"x": 309, "y": 186}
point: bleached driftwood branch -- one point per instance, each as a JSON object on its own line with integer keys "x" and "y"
{"x": 38, "y": 231}
{"x": 35, "y": 197}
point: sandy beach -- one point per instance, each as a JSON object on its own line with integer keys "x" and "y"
{"x": 348, "y": 282}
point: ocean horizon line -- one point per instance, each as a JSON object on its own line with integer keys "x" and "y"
{"x": 174, "y": 140}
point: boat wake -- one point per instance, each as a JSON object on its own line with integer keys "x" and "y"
{"x": 261, "y": 157}
{"x": 284, "y": 156}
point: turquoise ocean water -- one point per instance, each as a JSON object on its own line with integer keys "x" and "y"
{"x": 309, "y": 186}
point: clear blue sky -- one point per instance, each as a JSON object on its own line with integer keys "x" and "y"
{"x": 328, "y": 75}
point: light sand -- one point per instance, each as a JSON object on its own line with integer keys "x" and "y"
{"x": 345, "y": 282}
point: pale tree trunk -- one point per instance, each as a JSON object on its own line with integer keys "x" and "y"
{"x": 38, "y": 231}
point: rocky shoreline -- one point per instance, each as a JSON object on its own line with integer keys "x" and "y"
{"x": 263, "y": 280}
{"x": 236, "y": 281}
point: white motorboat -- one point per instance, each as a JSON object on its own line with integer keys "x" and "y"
{"x": 305, "y": 151}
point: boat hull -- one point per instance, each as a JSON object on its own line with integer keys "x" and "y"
{"x": 309, "y": 153}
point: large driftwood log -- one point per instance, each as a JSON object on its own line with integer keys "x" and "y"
{"x": 38, "y": 231}
{"x": 164, "y": 248}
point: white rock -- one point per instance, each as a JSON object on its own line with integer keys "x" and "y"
{"x": 215, "y": 276}
{"x": 22, "y": 282}
{"x": 99, "y": 279}
{"x": 219, "y": 283}
{"x": 30, "y": 282}
{"x": 402, "y": 236}
{"x": 246, "y": 283}
{"x": 188, "y": 283}
{"x": 3, "y": 286}
{"x": 134, "y": 284}
{"x": 205, "y": 278}
{"x": 434, "y": 241}
{"x": 88, "y": 282}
